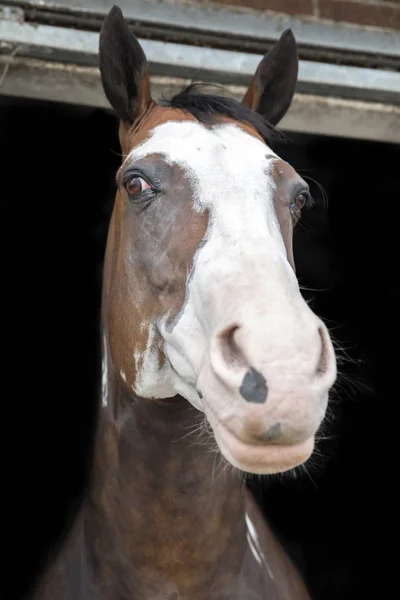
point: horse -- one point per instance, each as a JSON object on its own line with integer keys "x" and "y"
{"x": 213, "y": 364}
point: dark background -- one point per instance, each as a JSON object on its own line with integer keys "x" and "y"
{"x": 57, "y": 186}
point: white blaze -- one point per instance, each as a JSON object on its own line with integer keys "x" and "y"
{"x": 229, "y": 173}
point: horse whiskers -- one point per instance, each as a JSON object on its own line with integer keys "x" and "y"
{"x": 226, "y": 467}
{"x": 341, "y": 350}
{"x": 193, "y": 430}
{"x": 344, "y": 381}
{"x": 326, "y": 438}
{"x": 254, "y": 477}
{"x": 223, "y": 465}
{"x": 317, "y": 454}
{"x": 200, "y": 434}
{"x": 205, "y": 438}
{"x": 304, "y": 469}
{"x": 323, "y": 434}
{"x": 329, "y": 415}
{"x": 308, "y": 469}
{"x": 213, "y": 469}
{"x": 309, "y": 300}
{"x": 308, "y": 289}
{"x": 347, "y": 383}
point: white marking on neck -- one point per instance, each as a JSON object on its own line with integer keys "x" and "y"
{"x": 254, "y": 544}
{"x": 123, "y": 376}
{"x": 104, "y": 375}
{"x": 254, "y": 549}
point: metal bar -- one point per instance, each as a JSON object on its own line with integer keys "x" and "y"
{"x": 222, "y": 21}
{"x": 223, "y": 66}
{"x": 78, "y": 85}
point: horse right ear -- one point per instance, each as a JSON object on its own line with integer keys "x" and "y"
{"x": 123, "y": 68}
{"x": 272, "y": 88}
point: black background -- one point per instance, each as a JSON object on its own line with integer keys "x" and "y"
{"x": 57, "y": 186}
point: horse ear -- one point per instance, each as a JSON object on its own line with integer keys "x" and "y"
{"x": 123, "y": 68}
{"x": 272, "y": 88}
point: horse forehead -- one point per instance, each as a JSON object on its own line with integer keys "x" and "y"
{"x": 198, "y": 146}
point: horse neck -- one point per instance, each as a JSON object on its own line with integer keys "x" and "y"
{"x": 162, "y": 509}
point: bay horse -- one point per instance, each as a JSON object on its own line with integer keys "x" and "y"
{"x": 203, "y": 328}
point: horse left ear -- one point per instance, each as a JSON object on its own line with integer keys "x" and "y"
{"x": 272, "y": 88}
{"x": 124, "y": 69}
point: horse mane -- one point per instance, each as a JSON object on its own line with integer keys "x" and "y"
{"x": 206, "y": 108}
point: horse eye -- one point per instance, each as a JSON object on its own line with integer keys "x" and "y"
{"x": 135, "y": 185}
{"x": 301, "y": 200}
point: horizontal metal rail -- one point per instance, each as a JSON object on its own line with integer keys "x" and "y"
{"x": 213, "y": 65}
{"x": 34, "y": 79}
{"x": 211, "y": 25}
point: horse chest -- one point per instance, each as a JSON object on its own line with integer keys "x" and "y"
{"x": 265, "y": 574}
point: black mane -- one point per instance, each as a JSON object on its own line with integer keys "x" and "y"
{"x": 206, "y": 108}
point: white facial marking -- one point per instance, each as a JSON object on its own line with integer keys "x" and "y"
{"x": 243, "y": 308}
{"x": 152, "y": 379}
{"x": 229, "y": 172}
{"x": 123, "y": 376}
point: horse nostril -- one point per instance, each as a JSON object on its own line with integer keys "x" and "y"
{"x": 324, "y": 356}
{"x": 253, "y": 387}
{"x": 231, "y": 353}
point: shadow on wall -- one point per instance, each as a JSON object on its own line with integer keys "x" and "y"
{"x": 57, "y": 187}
